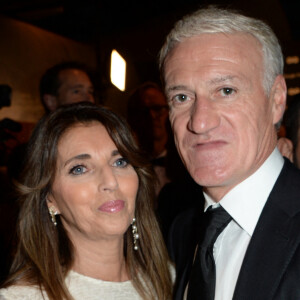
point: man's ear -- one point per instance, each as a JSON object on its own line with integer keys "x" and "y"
{"x": 50, "y": 102}
{"x": 278, "y": 98}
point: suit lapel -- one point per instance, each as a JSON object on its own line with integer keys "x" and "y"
{"x": 184, "y": 235}
{"x": 274, "y": 240}
{"x": 182, "y": 283}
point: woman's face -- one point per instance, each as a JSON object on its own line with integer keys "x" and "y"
{"x": 95, "y": 188}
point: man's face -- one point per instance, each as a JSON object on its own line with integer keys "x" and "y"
{"x": 75, "y": 87}
{"x": 223, "y": 121}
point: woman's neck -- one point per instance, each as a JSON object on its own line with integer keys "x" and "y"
{"x": 103, "y": 260}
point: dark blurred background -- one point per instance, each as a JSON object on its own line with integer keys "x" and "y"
{"x": 137, "y": 28}
{"x": 36, "y": 34}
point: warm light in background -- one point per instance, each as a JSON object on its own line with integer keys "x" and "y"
{"x": 292, "y": 60}
{"x": 293, "y": 91}
{"x": 118, "y": 70}
{"x": 292, "y": 75}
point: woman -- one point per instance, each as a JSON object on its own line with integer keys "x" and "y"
{"x": 85, "y": 182}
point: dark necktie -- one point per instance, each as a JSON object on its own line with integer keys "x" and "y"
{"x": 203, "y": 276}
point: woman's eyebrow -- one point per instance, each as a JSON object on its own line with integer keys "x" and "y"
{"x": 115, "y": 153}
{"x": 79, "y": 156}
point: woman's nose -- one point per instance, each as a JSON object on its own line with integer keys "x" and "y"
{"x": 108, "y": 180}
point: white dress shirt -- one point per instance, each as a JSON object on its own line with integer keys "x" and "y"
{"x": 244, "y": 203}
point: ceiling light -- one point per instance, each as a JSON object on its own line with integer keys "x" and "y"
{"x": 118, "y": 70}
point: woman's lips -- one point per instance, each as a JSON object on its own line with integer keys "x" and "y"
{"x": 112, "y": 206}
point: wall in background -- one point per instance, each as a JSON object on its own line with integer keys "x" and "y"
{"x": 25, "y": 53}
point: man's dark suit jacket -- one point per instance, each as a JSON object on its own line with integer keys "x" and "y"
{"x": 271, "y": 266}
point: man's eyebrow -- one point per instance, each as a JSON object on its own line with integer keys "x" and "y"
{"x": 79, "y": 156}
{"x": 175, "y": 88}
{"x": 79, "y": 85}
{"x": 222, "y": 79}
{"x": 216, "y": 80}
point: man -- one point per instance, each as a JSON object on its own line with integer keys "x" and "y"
{"x": 223, "y": 79}
{"x": 147, "y": 114}
{"x": 65, "y": 83}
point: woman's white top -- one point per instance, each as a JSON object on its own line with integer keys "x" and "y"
{"x": 81, "y": 288}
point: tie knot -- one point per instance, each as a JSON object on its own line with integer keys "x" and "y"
{"x": 215, "y": 220}
{"x": 216, "y": 217}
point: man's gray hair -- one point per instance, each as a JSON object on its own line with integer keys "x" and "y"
{"x": 216, "y": 20}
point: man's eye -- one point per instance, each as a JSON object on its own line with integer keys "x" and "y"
{"x": 227, "y": 91}
{"x": 121, "y": 163}
{"x": 180, "y": 98}
{"x": 78, "y": 170}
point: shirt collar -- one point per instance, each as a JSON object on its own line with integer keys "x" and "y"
{"x": 246, "y": 200}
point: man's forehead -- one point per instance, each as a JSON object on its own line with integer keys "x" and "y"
{"x": 71, "y": 72}
{"x": 236, "y": 48}
{"x": 73, "y": 77}
{"x": 154, "y": 96}
{"x": 215, "y": 38}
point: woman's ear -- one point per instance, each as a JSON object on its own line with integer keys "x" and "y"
{"x": 51, "y": 203}
{"x": 52, "y": 210}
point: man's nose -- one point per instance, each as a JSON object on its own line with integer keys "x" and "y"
{"x": 158, "y": 111}
{"x": 203, "y": 116}
{"x": 89, "y": 97}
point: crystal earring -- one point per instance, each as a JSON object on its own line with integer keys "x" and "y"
{"x": 53, "y": 213}
{"x": 135, "y": 234}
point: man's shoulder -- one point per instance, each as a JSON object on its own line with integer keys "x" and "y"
{"x": 184, "y": 232}
{"x": 287, "y": 185}
{"x": 187, "y": 221}
{"x": 289, "y": 169}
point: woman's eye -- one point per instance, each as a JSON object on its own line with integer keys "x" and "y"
{"x": 227, "y": 91}
{"x": 78, "y": 170}
{"x": 121, "y": 163}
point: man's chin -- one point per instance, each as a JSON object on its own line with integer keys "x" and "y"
{"x": 208, "y": 176}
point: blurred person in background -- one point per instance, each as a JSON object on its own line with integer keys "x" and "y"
{"x": 66, "y": 83}
{"x": 147, "y": 115}
{"x": 289, "y": 145}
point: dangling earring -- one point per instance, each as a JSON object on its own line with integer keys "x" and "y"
{"x": 135, "y": 234}
{"x": 53, "y": 213}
